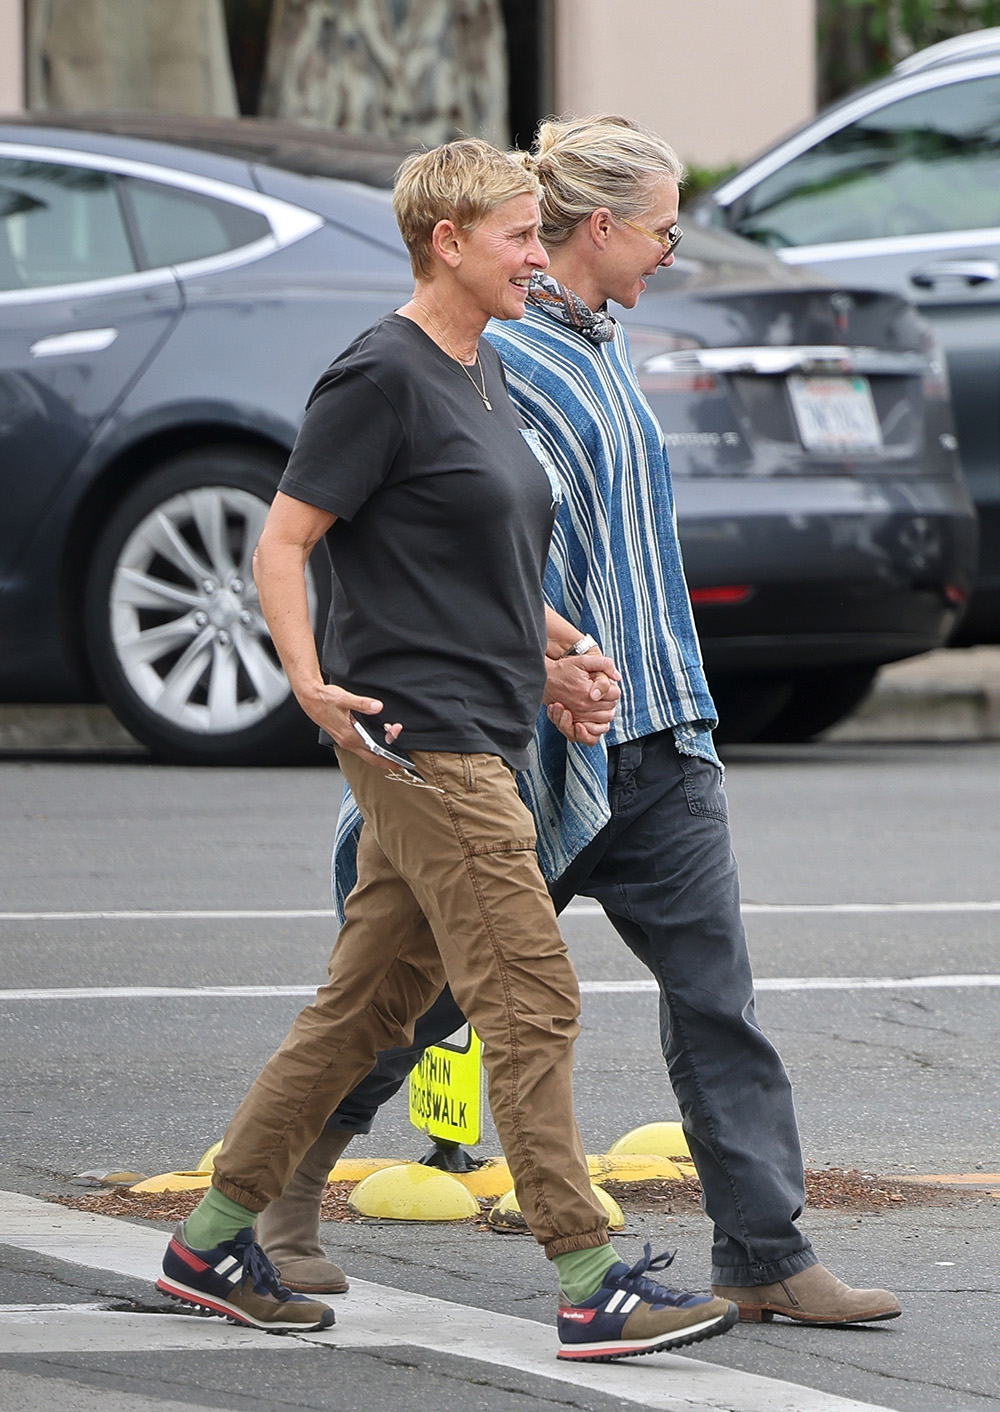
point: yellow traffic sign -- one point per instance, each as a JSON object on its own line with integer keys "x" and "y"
{"x": 446, "y": 1089}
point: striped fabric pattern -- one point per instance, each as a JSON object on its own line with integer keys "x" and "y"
{"x": 614, "y": 569}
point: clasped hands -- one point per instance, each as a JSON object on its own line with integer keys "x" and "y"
{"x": 582, "y": 695}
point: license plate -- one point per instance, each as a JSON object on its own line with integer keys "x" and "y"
{"x": 835, "y": 413}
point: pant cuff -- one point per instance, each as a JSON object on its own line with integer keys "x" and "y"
{"x": 239, "y": 1194}
{"x": 746, "y": 1276}
{"x": 586, "y": 1240}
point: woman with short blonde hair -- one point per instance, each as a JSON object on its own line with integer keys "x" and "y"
{"x": 437, "y": 504}
{"x": 464, "y": 182}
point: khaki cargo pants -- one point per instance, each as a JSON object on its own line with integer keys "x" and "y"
{"x": 448, "y": 889}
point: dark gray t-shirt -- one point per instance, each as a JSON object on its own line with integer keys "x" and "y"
{"x": 439, "y": 549}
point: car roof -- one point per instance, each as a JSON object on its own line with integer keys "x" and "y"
{"x": 265, "y": 141}
{"x": 710, "y": 260}
{"x": 979, "y": 45}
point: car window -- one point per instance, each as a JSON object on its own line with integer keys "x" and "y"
{"x": 59, "y": 225}
{"x": 930, "y": 162}
{"x": 174, "y": 226}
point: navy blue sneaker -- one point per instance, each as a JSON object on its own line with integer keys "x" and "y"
{"x": 238, "y": 1281}
{"x": 631, "y": 1314}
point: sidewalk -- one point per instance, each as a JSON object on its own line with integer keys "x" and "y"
{"x": 953, "y": 694}
{"x": 941, "y": 696}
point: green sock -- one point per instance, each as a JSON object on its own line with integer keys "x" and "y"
{"x": 216, "y": 1219}
{"x": 581, "y": 1272}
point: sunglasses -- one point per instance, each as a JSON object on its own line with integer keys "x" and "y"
{"x": 668, "y": 242}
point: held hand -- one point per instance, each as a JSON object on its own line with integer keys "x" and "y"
{"x": 331, "y": 708}
{"x": 587, "y": 686}
{"x": 579, "y": 732}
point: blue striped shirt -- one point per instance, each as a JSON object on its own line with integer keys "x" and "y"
{"x": 614, "y": 570}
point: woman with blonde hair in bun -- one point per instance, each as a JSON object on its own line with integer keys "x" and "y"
{"x": 640, "y": 822}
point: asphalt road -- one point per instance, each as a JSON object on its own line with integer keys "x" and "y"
{"x": 863, "y": 866}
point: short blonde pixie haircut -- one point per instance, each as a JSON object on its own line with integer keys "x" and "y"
{"x": 586, "y": 163}
{"x": 464, "y": 182}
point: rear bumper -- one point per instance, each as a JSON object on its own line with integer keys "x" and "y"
{"x": 836, "y": 571}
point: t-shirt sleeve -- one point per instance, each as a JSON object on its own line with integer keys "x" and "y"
{"x": 346, "y": 445}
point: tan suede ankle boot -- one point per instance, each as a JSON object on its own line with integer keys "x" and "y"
{"x": 288, "y": 1229}
{"x": 813, "y": 1296}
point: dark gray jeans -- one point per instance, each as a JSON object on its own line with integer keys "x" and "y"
{"x": 664, "y": 872}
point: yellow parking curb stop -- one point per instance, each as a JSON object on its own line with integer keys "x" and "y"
{"x": 413, "y": 1192}
{"x": 635, "y": 1167}
{"x": 207, "y": 1163}
{"x": 506, "y": 1215}
{"x": 493, "y": 1178}
{"x": 653, "y": 1140}
{"x": 175, "y": 1181}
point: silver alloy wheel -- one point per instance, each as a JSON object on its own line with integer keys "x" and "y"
{"x": 186, "y": 622}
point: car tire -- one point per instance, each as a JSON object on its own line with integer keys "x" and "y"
{"x": 173, "y": 625}
{"x": 746, "y": 702}
{"x": 817, "y": 702}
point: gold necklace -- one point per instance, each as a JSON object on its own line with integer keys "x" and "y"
{"x": 482, "y": 371}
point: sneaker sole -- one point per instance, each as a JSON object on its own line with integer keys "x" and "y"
{"x": 610, "y": 1352}
{"x": 205, "y": 1304}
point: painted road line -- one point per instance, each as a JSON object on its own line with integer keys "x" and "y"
{"x": 986, "y": 1180}
{"x": 575, "y": 909}
{"x": 629, "y": 987}
{"x": 373, "y": 1316}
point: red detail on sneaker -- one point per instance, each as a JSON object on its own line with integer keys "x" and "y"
{"x": 598, "y": 1350}
{"x": 579, "y": 1316}
{"x": 188, "y": 1256}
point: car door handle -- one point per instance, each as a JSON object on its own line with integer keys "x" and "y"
{"x": 968, "y": 271}
{"x": 84, "y": 340}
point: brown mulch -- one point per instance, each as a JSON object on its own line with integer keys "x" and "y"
{"x": 832, "y": 1188}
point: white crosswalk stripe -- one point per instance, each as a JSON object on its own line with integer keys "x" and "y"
{"x": 372, "y": 1316}
{"x": 637, "y": 986}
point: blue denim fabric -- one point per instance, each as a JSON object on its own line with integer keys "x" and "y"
{"x": 664, "y": 872}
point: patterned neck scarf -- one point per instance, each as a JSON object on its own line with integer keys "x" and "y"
{"x": 568, "y": 308}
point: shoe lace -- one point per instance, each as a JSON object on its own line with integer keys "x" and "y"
{"x": 264, "y": 1275}
{"x": 636, "y": 1277}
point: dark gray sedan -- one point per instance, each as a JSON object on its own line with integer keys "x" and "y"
{"x": 898, "y": 188}
{"x": 165, "y": 307}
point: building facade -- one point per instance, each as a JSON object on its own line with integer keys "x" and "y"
{"x": 719, "y": 78}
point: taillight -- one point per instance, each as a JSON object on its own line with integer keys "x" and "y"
{"x": 729, "y": 593}
{"x": 668, "y": 362}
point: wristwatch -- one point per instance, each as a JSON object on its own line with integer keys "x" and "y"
{"x": 582, "y": 645}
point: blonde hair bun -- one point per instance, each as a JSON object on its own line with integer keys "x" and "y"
{"x": 605, "y": 160}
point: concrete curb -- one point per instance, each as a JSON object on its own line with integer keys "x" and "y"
{"x": 951, "y": 695}
{"x": 64, "y": 730}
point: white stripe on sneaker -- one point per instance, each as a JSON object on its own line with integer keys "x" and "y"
{"x": 614, "y": 1301}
